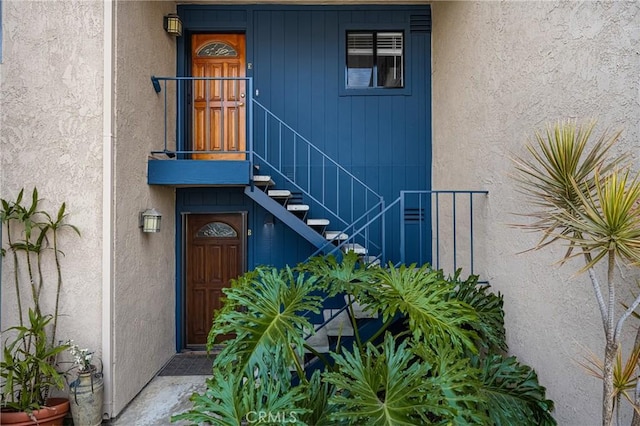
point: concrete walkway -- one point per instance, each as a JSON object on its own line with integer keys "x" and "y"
{"x": 163, "y": 397}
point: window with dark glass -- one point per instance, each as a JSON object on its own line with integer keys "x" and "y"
{"x": 375, "y": 59}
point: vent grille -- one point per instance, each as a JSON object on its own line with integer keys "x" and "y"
{"x": 414, "y": 215}
{"x": 420, "y": 23}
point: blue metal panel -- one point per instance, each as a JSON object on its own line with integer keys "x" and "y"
{"x": 192, "y": 172}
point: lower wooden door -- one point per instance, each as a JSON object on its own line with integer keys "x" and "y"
{"x": 214, "y": 256}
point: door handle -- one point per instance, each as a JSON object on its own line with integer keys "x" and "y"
{"x": 240, "y": 104}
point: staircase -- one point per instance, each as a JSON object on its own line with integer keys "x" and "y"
{"x": 333, "y": 326}
{"x": 289, "y": 207}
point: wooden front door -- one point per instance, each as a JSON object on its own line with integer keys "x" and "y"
{"x": 214, "y": 256}
{"x": 219, "y": 122}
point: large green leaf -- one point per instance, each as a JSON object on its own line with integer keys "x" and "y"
{"x": 488, "y": 306}
{"x": 380, "y": 387}
{"x": 338, "y": 276}
{"x": 318, "y": 393}
{"x": 454, "y": 384}
{"x": 270, "y": 327}
{"x": 423, "y": 296}
{"x": 513, "y": 395}
{"x": 233, "y": 400}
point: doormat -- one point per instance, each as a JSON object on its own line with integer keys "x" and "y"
{"x": 188, "y": 364}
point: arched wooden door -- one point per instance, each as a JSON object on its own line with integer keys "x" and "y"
{"x": 219, "y": 121}
{"x": 214, "y": 255}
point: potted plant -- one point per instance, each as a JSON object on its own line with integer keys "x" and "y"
{"x": 87, "y": 389}
{"x": 28, "y": 367}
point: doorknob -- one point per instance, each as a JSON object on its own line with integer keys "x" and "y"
{"x": 242, "y": 95}
{"x": 240, "y": 104}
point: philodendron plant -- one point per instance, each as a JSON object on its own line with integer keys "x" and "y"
{"x": 434, "y": 355}
{"x": 30, "y": 349}
{"x": 586, "y": 197}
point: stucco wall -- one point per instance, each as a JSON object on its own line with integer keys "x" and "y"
{"x": 51, "y": 137}
{"x": 501, "y": 70}
{"x": 144, "y": 265}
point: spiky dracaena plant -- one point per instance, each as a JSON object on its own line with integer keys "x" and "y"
{"x": 588, "y": 199}
{"x": 425, "y": 375}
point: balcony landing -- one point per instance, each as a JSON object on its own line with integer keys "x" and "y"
{"x": 174, "y": 172}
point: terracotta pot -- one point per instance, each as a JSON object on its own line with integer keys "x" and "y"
{"x": 52, "y": 414}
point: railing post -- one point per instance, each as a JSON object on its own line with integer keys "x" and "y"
{"x": 383, "y": 239}
{"x": 181, "y": 102}
{"x": 437, "y": 194}
{"x": 455, "y": 236}
{"x": 471, "y": 228}
{"x": 165, "y": 111}
{"x": 250, "y": 129}
{"x": 402, "y": 227}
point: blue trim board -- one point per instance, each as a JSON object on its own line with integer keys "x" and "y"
{"x": 201, "y": 172}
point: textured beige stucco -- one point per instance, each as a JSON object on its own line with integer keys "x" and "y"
{"x": 51, "y": 137}
{"x": 144, "y": 265}
{"x": 501, "y": 70}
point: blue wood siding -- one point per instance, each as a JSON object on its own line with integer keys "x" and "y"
{"x": 384, "y": 140}
{"x": 298, "y": 65}
{"x": 298, "y": 68}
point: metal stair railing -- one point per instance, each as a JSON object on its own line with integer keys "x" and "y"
{"x": 312, "y": 172}
{"x": 452, "y": 222}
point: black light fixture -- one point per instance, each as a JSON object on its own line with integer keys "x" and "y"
{"x": 269, "y": 220}
{"x": 173, "y": 24}
{"x": 150, "y": 220}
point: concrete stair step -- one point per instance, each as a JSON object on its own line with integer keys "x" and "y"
{"x": 319, "y": 341}
{"x": 298, "y": 207}
{"x": 355, "y": 247}
{"x": 340, "y": 325}
{"x": 318, "y": 222}
{"x": 335, "y": 236}
{"x": 280, "y": 195}
{"x": 263, "y": 181}
{"x": 300, "y": 210}
{"x": 371, "y": 260}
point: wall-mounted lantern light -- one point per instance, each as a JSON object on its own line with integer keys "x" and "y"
{"x": 173, "y": 24}
{"x": 269, "y": 220}
{"x": 150, "y": 220}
